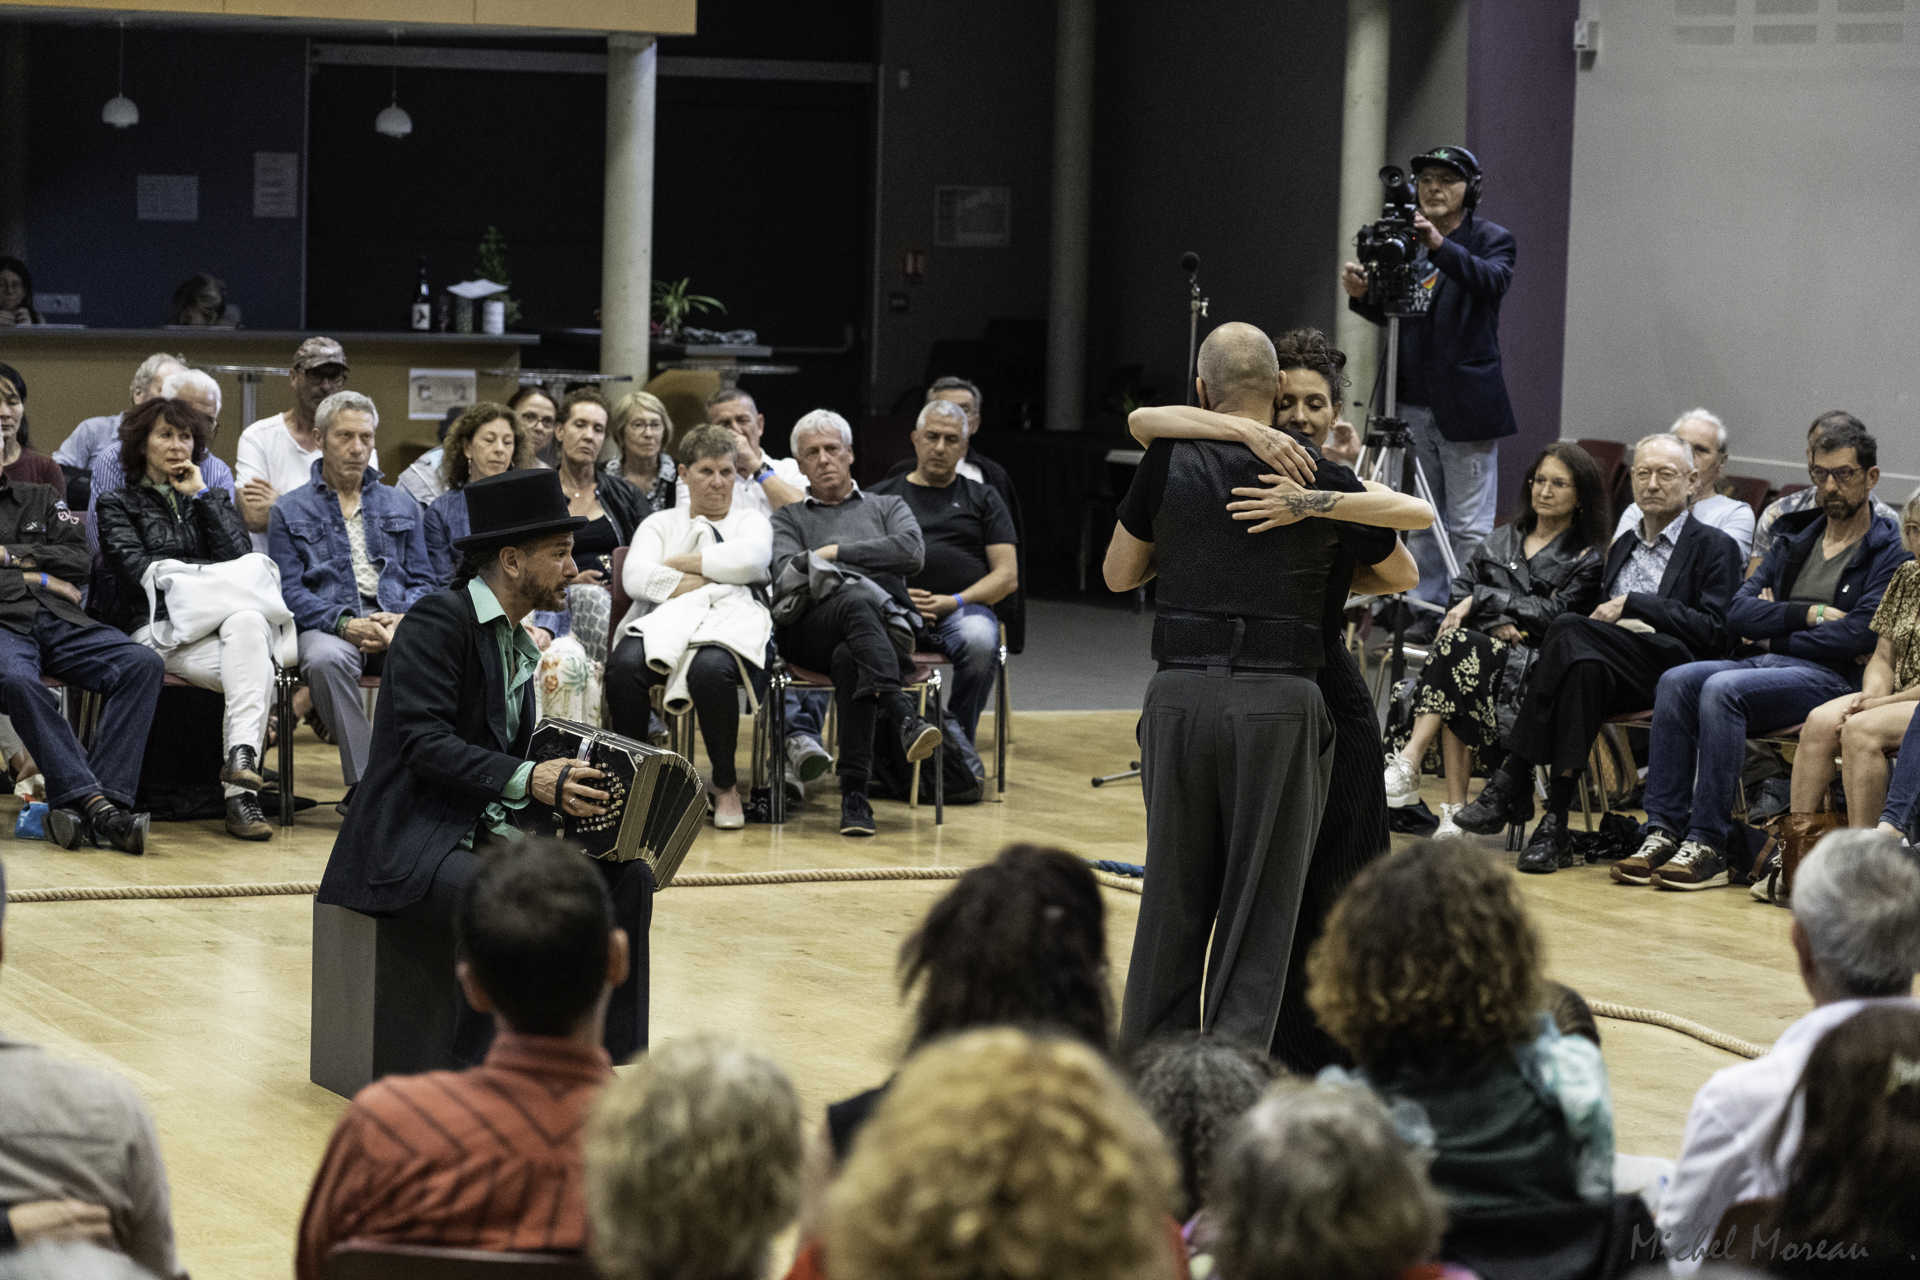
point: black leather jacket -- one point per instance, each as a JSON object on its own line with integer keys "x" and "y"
{"x": 137, "y": 525}
{"x": 1530, "y": 594}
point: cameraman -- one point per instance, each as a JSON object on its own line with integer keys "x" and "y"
{"x": 1450, "y": 391}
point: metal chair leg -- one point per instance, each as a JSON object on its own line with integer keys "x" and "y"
{"x": 776, "y": 742}
{"x": 939, "y": 758}
{"x": 284, "y": 683}
{"x": 913, "y": 773}
{"x": 1002, "y": 728}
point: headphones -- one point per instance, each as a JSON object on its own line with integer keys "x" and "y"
{"x": 1457, "y": 158}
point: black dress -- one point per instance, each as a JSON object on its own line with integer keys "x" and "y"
{"x": 593, "y": 546}
{"x": 1353, "y": 829}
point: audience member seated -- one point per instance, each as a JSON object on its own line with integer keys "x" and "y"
{"x": 1003, "y": 1155}
{"x": 352, "y": 561}
{"x": 1316, "y": 1182}
{"x": 200, "y": 302}
{"x": 1706, "y": 437}
{"x": 16, "y": 294}
{"x": 276, "y": 455}
{"x": 765, "y": 483}
{"x": 1810, "y": 606}
{"x": 971, "y": 558}
{"x": 490, "y": 1157}
{"x": 697, "y": 629}
{"x": 93, "y": 434}
{"x": 1428, "y": 974}
{"x": 693, "y": 1163}
{"x": 1019, "y": 941}
{"x": 171, "y": 513}
{"x": 24, "y": 463}
{"x": 422, "y": 481}
{"x": 1856, "y": 935}
{"x": 1196, "y": 1087}
{"x": 642, "y": 433}
{"x": 79, "y": 1155}
{"x": 485, "y": 440}
{"x": 1901, "y": 815}
{"x": 845, "y": 636}
{"x": 194, "y": 389}
{"x": 43, "y": 630}
{"x": 1799, "y": 500}
{"x": 573, "y": 665}
{"x": 1664, "y": 599}
{"x": 539, "y": 417}
{"x": 1851, "y": 1204}
{"x": 1523, "y": 576}
{"x": 1858, "y": 729}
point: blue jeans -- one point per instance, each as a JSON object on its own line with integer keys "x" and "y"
{"x": 970, "y": 636}
{"x": 1703, "y": 713}
{"x": 807, "y": 713}
{"x": 1904, "y": 786}
{"x": 108, "y": 662}
{"x": 1465, "y": 475}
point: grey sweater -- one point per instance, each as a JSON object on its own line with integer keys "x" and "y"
{"x": 876, "y": 532}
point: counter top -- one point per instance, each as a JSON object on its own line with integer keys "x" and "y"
{"x": 285, "y": 337}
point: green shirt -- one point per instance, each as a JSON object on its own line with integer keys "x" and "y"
{"x": 518, "y": 658}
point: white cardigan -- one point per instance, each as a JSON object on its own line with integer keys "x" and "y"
{"x": 735, "y": 553}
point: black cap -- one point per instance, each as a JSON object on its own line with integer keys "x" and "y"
{"x": 515, "y": 506}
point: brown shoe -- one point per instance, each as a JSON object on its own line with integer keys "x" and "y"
{"x": 245, "y": 821}
{"x": 1654, "y": 852}
{"x": 1799, "y": 832}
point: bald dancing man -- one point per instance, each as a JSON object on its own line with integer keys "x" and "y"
{"x": 1236, "y": 742}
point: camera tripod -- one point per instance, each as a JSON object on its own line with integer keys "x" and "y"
{"x": 1383, "y": 460}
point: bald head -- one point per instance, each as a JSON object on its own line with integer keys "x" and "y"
{"x": 1238, "y": 368}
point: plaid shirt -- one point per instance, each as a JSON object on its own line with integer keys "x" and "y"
{"x": 1646, "y": 564}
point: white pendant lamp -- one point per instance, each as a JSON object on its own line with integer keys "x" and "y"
{"x": 119, "y": 110}
{"x": 393, "y": 121}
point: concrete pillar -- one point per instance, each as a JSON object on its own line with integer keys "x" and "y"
{"x": 1363, "y": 149}
{"x": 626, "y": 254}
{"x": 1072, "y": 169}
{"x": 13, "y": 139}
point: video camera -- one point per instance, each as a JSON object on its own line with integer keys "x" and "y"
{"x": 1388, "y": 249}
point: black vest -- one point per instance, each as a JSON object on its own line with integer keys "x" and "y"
{"x": 1228, "y": 597}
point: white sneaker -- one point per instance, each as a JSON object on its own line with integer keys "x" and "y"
{"x": 806, "y": 758}
{"x": 1403, "y": 782}
{"x": 1446, "y": 830}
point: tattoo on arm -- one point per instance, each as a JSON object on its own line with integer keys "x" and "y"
{"x": 1310, "y": 503}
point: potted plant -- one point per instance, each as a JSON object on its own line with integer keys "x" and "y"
{"x": 673, "y": 305}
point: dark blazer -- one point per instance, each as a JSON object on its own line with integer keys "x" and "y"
{"x": 1461, "y": 345}
{"x": 1838, "y": 645}
{"x": 136, "y": 525}
{"x": 440, "y": 754}
{"x": 1695, "y": 590}
{"x": 1013, "y": 609}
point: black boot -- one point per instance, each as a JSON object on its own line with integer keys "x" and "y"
{"x": 121, "y": 828}
{"x": 68, "y": 828}
{"x": 1550, "y": 848}
{"x": 1506, "y": 799}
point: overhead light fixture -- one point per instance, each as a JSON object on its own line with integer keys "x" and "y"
{"x": 393, "y": 121}
{"x": 119, "y": 110}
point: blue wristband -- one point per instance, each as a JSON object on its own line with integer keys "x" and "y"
{"x": 764, "y": 474}
{"x": 959, "y": 601}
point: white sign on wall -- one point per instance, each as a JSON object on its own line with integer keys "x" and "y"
{"x": 276, "y": 184}
{"x": 431, "y": 392}
{"x": 168, "y": 197}
{"x": 972, "y": 217}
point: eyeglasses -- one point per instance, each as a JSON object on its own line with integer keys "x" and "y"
{"x": 1665, "y": 475}
{"x": 1553, "y": 483}
{"x": 538, "y": 419}
{"x": 1839, "y": 475}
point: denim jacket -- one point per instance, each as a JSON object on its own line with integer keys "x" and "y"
{"x": 307, "y": 537}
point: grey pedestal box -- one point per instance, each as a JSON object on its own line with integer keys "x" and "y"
{"x": 383, "y": 998}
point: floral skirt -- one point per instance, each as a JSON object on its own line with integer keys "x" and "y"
{"x": 568, "y": 680}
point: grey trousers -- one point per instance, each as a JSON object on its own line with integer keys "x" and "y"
{"x": 332, "y": 669}
{"x": 1236, "y": 768}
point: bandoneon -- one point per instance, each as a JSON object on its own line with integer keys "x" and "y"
{"x": 655, "y": 798}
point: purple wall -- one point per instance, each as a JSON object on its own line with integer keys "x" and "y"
{"x": 1520, "y": 81}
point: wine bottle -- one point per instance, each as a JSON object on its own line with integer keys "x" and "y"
{"x": 423, "y": 301}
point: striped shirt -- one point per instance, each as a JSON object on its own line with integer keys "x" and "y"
{"x": 483, "y": 1159}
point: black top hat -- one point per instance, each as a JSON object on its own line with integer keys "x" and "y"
{"x": 515, "y": 506}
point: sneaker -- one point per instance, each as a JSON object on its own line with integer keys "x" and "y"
{"x": 245, "y": 821}
{"x": 1403, "y": 782}
{"x": 1550, "y": 849}
{"x": 68, "y": 828}
{"x": 1696, "y": 866}
{"x": 807, "y": 760}
{"x": 122, "y": 828}
{"x": 1447, "y": 829}
{"x": 1765, "y": 877}
{"x": 918, "y": 738}
{"x": 1654, "y": 852}
{"x": 243, "y": 770}
{"x": 856, "y": 815}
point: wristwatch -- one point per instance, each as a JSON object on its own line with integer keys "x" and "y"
{"x": 766, "y": 469}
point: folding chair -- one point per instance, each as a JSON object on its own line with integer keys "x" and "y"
{"x": 926, "y": 683}
{"x": 286, "y": 680}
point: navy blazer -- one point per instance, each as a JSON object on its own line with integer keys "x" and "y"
{"x": 440, "y": 754}
{"x": 1841, "y": 646}
{"x": 1695, "y": 589}
{"x": 1462, "y": 342}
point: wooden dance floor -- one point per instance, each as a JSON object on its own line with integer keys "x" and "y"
{"x": 202, "y": 1003}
